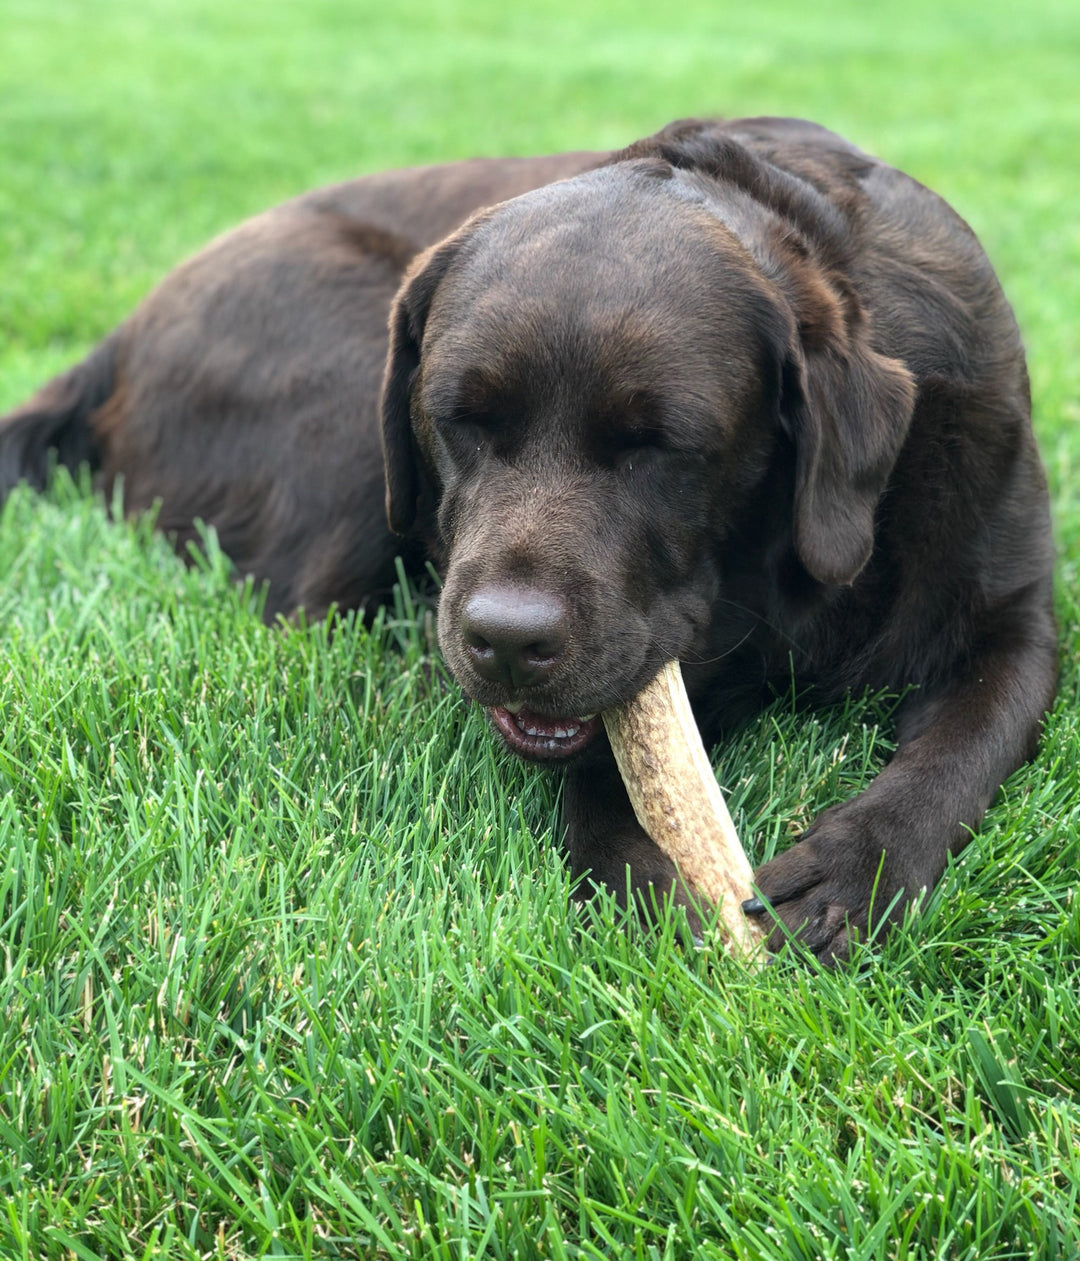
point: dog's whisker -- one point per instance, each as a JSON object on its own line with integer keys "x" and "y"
{"x": 707, "y": 661}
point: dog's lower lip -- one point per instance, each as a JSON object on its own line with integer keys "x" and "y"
{"x": 540, "y": 736}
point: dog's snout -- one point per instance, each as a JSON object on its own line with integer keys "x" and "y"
{"x": 514, "y": 635}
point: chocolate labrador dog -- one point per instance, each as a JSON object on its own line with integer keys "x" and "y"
{"x": 740, "y": 395}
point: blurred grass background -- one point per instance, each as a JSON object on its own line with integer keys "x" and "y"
{"x": 286, "y": 965}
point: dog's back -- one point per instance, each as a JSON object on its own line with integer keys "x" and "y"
{"x": 243, "y": 391}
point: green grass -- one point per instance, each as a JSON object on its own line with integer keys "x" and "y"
{"x": 287, "y": 966}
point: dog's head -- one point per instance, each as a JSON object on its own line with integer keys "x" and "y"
{"x": 588, "y": 389}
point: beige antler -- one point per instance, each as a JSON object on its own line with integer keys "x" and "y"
{"x": 678, "y": 802}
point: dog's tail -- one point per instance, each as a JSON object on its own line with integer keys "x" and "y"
{"x": 56, "y": 419}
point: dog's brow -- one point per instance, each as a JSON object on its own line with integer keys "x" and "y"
{"x": 450, "y": 394}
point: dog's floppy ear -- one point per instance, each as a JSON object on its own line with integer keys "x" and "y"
{"x": 408, "y": 315}
{"x": 848, "y": 410}
{"x": 847, "y": 407}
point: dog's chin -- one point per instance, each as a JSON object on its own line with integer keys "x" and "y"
{"x": 541, "y": 738}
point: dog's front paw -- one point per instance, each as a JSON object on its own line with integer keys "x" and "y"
{"x": 832, "y": 887}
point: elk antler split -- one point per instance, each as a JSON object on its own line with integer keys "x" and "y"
{"x": 677, "y": 800}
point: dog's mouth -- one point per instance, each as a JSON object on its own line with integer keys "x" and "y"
{"x": 540, "y": 737}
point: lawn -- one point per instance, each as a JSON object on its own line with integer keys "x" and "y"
{"x": 287, "y": 965}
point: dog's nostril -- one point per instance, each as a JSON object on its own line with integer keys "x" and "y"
{"x": 475, "y": 642}
{"x": 514, "y": 635}
{"x": 540, "y": 652}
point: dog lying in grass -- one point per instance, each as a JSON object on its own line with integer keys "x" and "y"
{"x": 738, "y": 395}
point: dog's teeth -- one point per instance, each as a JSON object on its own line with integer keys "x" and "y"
{"x": 551, "y": 733}
{"x": 586, "y": 718}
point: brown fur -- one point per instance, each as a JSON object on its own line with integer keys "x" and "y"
{"x": 741, "y": 395}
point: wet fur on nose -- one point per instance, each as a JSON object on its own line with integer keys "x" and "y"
{"x": 514, "y": 635}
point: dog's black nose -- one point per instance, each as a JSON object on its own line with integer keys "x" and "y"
{"x": 514, "y": 635}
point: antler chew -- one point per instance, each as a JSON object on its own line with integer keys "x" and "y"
{"x": 677, "y": 800}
